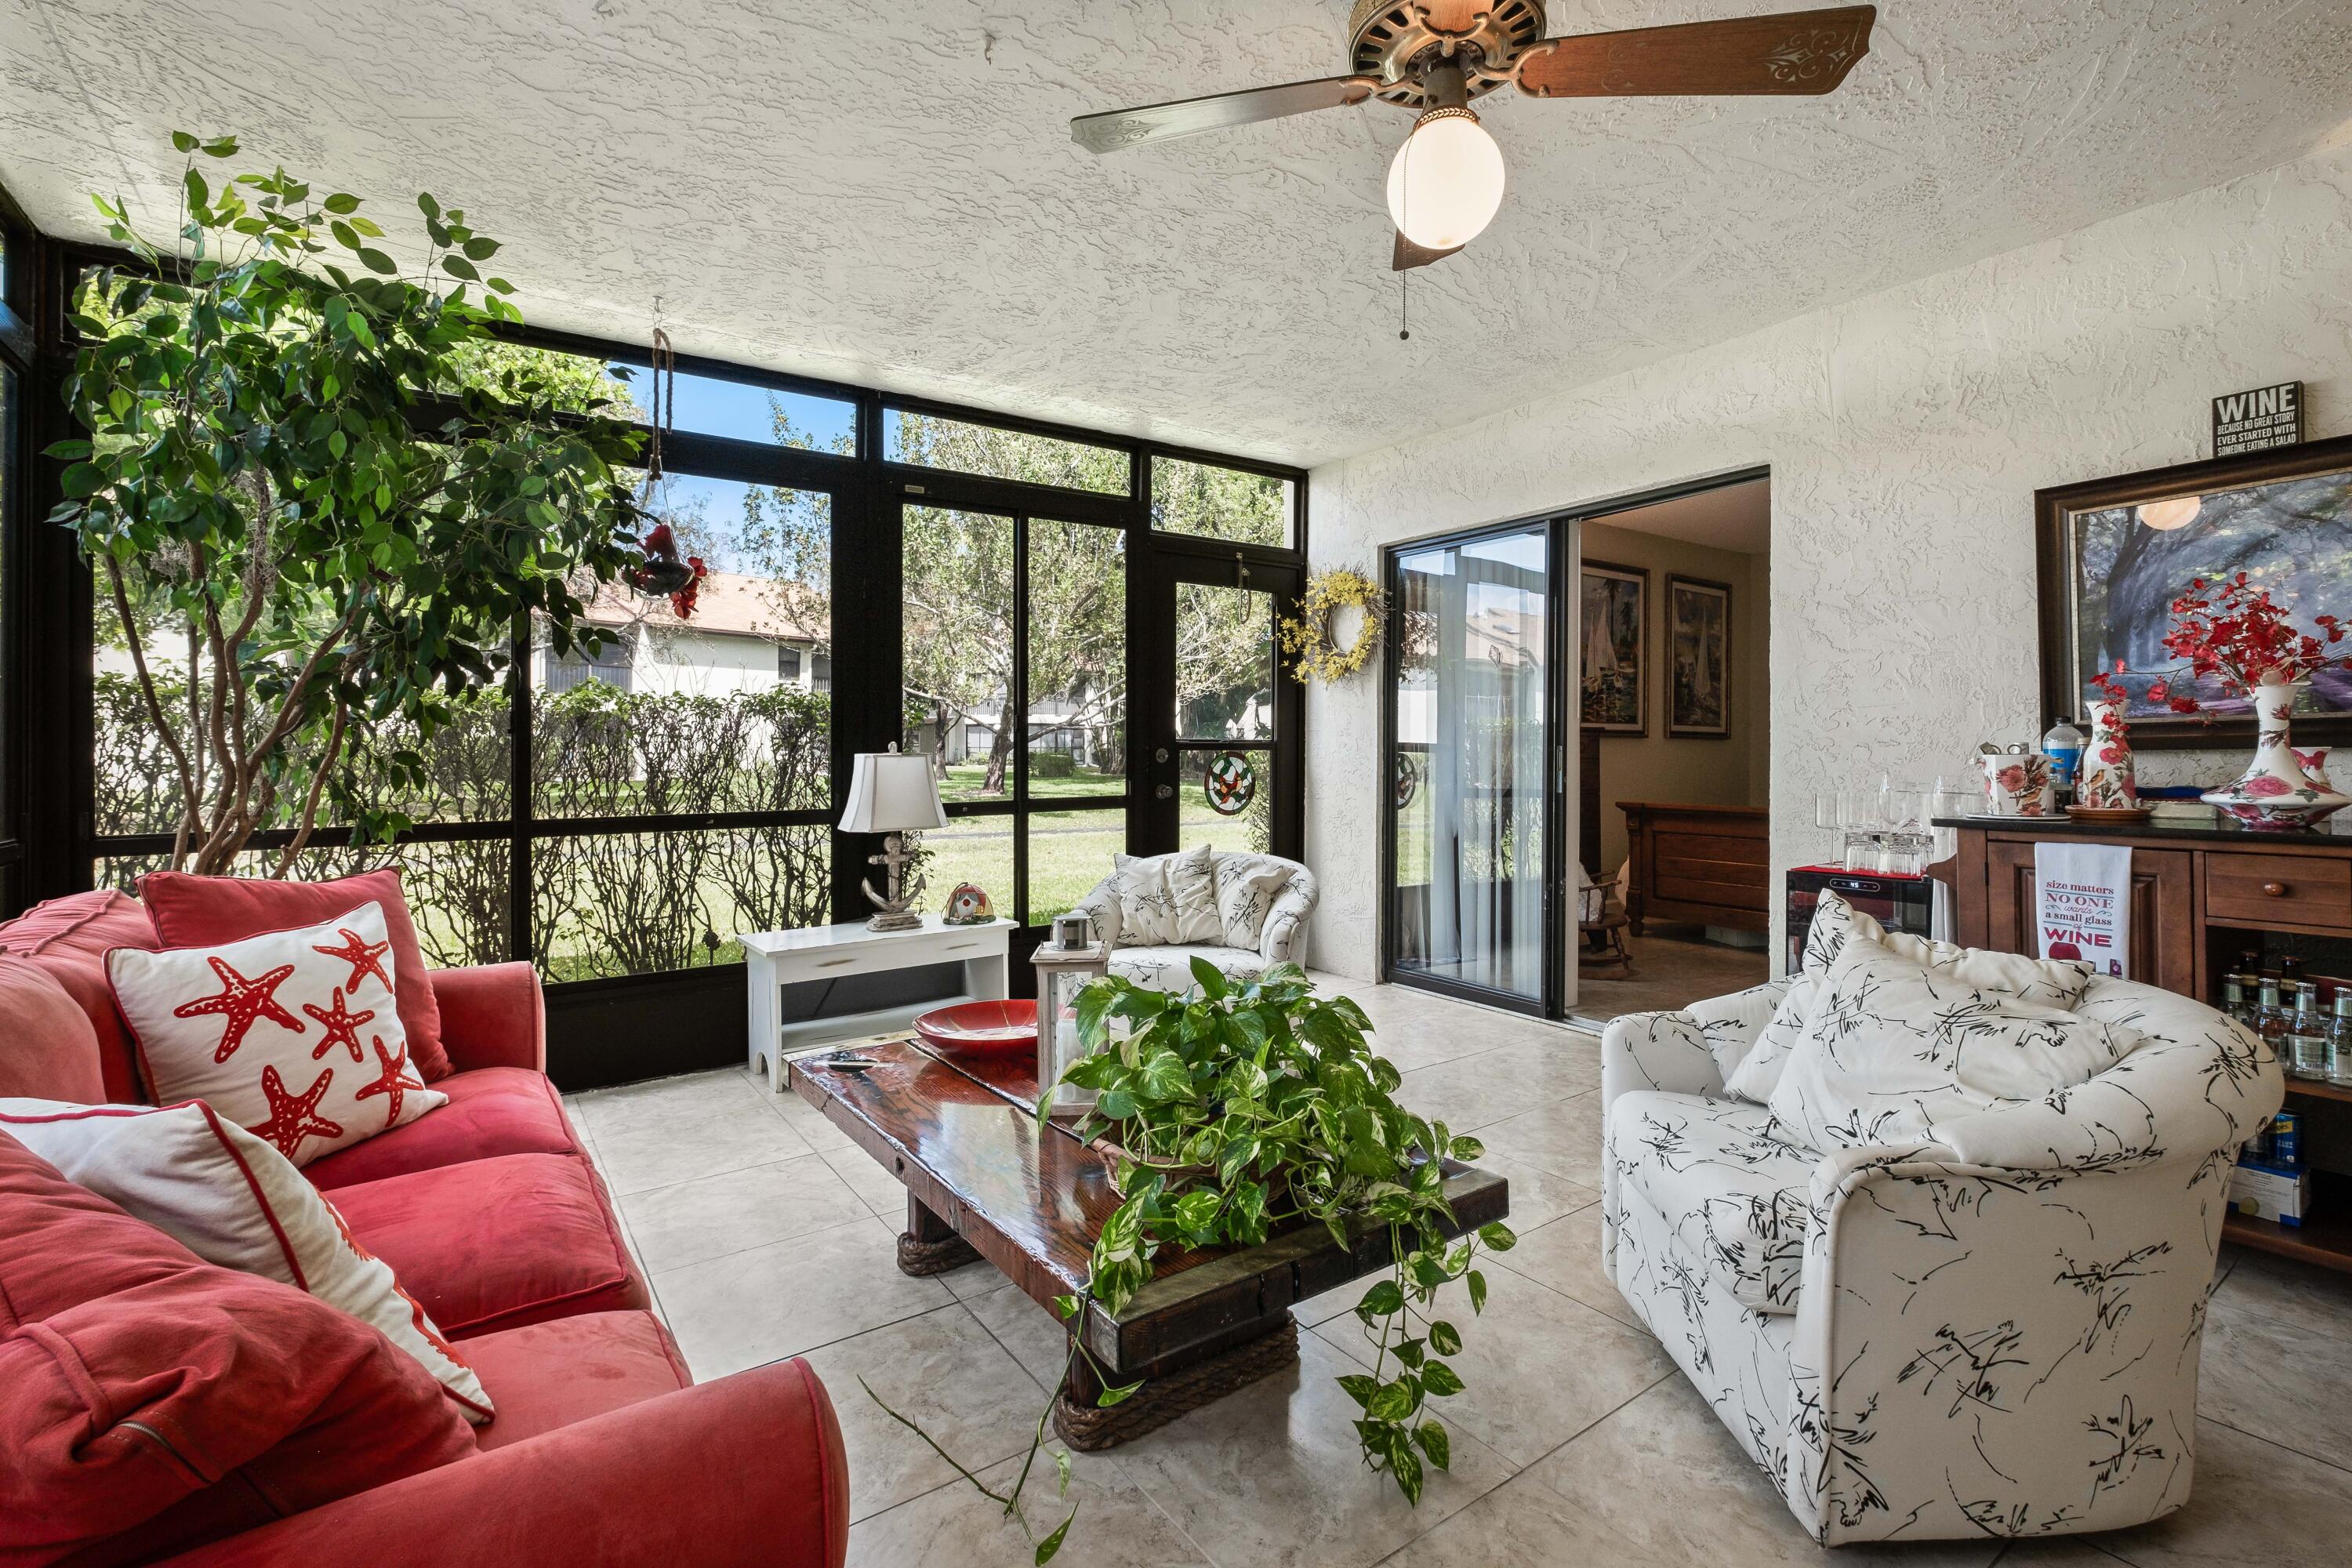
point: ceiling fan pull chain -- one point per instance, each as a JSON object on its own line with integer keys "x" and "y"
{"x": 1404, "y": 283}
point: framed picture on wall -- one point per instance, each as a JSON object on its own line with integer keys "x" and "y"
{"x": 1698, "y": 658}
{"x": 2114, "y": 554}
{"x": 1614, "y": 611}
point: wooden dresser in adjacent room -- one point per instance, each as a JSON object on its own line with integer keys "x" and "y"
{"x": 1709, "y": 865}
{"x": 2201, "y": 897}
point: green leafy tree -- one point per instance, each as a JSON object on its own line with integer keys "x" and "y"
{"x": 272, "y": 513}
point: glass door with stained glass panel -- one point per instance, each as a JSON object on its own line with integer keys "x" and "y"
{"x": 1223, "y": 721}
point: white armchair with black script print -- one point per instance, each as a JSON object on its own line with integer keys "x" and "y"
{"x": 1992, "y": 1333}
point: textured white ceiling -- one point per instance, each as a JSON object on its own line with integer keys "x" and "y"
{"x": 885, "y": 191}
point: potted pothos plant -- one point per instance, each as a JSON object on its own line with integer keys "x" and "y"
{"x": 318, "y": 492}
{"x": 1242, "y": 1110}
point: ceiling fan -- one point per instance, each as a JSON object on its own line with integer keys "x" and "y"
{"x": 1435, "y": 56}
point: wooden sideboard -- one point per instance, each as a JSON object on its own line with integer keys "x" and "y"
{"x": 2200, "y": 898}
{"x": 1710, "y": 865}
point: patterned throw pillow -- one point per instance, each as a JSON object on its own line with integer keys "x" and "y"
{"x": 234, "y": 1201}
{"x": 1898, "y": 1043}
{"x": 1834, "y": 919}
{"x": 293, "y": 1034}
{"x": 1247, "y": 886}
{"x": 2049, "y": 983}
{"x": 1166, "y": 898}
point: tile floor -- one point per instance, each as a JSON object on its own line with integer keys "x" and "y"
{"x": 1669, "y": 971}
{"x": 767, "y": 1235}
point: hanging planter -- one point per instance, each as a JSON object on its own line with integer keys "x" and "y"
{"x": 1312, "y": 638}
{"x": 662, "y": 575}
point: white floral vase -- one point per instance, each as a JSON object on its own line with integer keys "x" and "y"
{"x": 2109, "y": 782}
{"x": 2274, "y": 793}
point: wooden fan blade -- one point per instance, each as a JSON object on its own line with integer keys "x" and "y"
{"x": 1408, "y": 256}
{"x": 1795, "y": 52}
{"x": 1163, "y": 121}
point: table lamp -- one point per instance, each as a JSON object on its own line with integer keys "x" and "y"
{"x": 892, "y": 793}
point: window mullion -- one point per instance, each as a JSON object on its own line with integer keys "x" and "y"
{"x": 1017, "y": 713}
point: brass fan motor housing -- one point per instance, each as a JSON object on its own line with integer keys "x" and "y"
{"x": 1395, "y": 39}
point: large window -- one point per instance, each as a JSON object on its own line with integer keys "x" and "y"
{"x": 879, "y": 573}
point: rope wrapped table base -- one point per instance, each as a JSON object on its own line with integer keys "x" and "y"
{"x": 924, "y": 1257}
{"x": 1088, "y": 1428}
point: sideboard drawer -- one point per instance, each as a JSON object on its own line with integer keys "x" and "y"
{"x": 2293, "y": 889}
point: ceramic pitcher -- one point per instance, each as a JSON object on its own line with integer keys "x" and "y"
{"x": 2017, "y": 783}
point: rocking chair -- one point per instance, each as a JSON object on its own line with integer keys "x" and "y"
{"x": 1600, "y": 916}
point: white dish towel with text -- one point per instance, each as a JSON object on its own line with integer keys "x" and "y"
{"x": 2082, "y": 897}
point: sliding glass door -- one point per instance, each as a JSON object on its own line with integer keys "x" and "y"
{"x": 1471, "y": 821}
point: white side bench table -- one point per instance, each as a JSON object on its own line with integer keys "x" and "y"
{"x": 774, "y": 959}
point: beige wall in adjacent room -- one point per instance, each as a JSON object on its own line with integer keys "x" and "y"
{"x": 1652, "y": 767}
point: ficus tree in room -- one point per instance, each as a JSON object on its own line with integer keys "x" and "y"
{"x": 319, "y": 494}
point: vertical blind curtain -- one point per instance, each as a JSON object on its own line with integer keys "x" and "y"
{"x": 1487, "y": 768}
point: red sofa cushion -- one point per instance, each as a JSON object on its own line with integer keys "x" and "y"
{"x": 498, "y": 1243}
{"x": 48, "y": 1049}
{"x": 492, "y": 1111}
{"x": 206, "y": 912}
{"x": 70, "y": 937}
{"x": 149, "y": 1401}
{"x": 551, "y": 1374}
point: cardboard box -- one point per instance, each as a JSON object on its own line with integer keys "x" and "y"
{"x": 2280, "y": 1193}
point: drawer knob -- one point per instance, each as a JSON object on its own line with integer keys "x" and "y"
{"x": 2276, "y": 889}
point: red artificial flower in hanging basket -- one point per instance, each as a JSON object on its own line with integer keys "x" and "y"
{"x": 662, "y": 574}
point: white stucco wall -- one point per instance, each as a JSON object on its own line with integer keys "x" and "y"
{"x": 1906, "y": 433}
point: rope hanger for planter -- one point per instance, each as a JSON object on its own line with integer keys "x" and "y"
{"x": 662, "y": 574}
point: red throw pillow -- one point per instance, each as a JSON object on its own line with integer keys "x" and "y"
{"x": 150, "y": 1402}
{"x": 48, "y": 1049}
{"x": 206, "y": 911}
{"x": 70, "y": 938}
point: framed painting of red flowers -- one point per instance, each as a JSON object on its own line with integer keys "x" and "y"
{"x": 2115, "y": 554}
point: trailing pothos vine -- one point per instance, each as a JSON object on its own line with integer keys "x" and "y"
{"x": 1248, "y": 1110}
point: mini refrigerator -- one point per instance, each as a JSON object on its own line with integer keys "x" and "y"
{"x": 1898, "y": 902}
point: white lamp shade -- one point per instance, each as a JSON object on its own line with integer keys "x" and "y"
{"x": 1446, "y": 180}
{"x": 892, "y": 792}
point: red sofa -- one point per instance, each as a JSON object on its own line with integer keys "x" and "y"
{"x": 603, "y": 1450}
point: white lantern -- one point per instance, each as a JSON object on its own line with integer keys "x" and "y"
{"x": 1062, "y": 973}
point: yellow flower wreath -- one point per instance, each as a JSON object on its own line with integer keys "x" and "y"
{"x": 1310, "y": 635}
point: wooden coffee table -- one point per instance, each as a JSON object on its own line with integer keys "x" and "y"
{"x": 985, "y": 1179}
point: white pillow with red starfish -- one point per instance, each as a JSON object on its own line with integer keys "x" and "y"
{"x": 291, "y": 1035}
{"x": 233, "y": 1200}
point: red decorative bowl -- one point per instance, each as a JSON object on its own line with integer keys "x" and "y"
{"x": 984, "y": 1028}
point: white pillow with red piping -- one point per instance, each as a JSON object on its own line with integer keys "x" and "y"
{"x": 235, "y": 1201}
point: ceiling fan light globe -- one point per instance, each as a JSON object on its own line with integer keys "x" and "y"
{"x": 1446, "y": 180}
